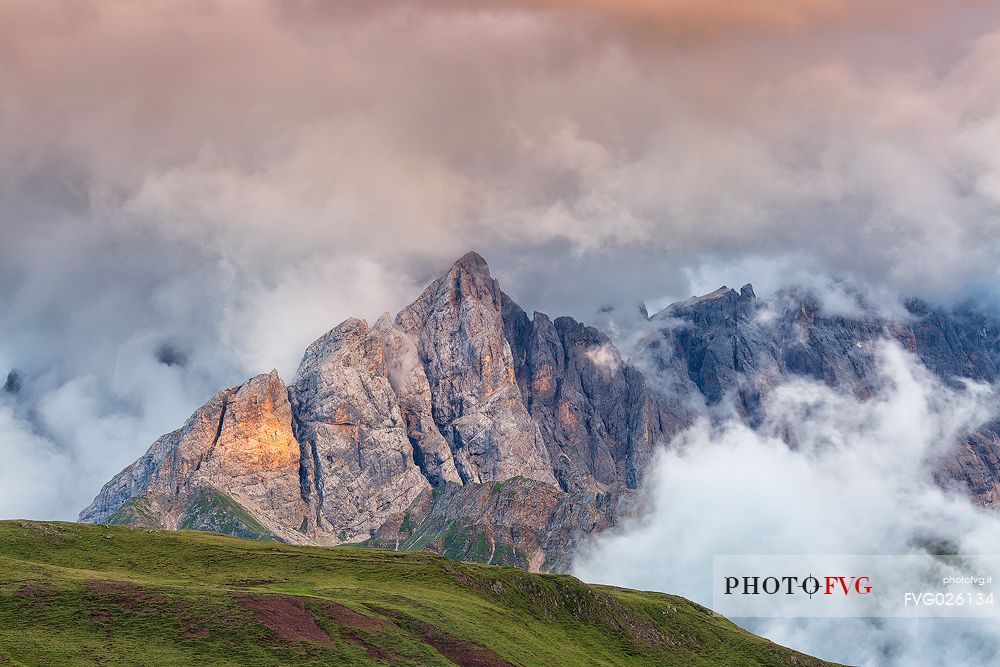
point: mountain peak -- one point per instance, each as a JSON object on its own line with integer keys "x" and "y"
{"x": 723, "y": 297}
{"x": 472, "y": 262}
{"x": 722, "y": 291}
{"x": 13, "y": 383}
{"x": 468, "y": 278}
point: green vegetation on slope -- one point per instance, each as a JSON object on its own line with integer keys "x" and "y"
{"x": 109, "y": 595}
{"x": 463, "y": 538}
{"x": 215, "y": 511}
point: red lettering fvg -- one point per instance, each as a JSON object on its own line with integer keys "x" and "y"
{"x": 859, "y": 585}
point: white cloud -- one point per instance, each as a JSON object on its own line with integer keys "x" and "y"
{"x": 856, "y": 480}
{"x": 34, "y": 475}
{"x": 605, "y": 357}
{"x": 159, "y": 180}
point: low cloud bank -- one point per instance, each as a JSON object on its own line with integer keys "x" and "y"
{"x": 825, "y": 474}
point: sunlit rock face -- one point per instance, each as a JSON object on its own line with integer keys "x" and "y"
{"x": 233, "y": 466}
{"x": 456, "y": 424}
{"x": 464, "y": 426}
{"x": 256, "y": 457}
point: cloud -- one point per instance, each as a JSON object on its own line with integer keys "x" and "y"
{"x": 669, "y": 22}
{"x": 605, "y": 357}
{"x": 825, "y": 474}
{"x": 34, "y": 474}
{"x": 234, "y": 178}
{"x": 192, "y": 191}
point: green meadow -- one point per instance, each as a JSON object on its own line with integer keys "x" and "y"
{"x": 73, "y": 594}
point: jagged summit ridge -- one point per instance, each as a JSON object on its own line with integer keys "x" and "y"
{"x": 380, "y": 415}
{"x": 722, "y": 299}
{"x": 464, "y": 426}
{"x": 477, "y": 406}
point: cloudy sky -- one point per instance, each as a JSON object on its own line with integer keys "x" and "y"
{"x": 192, "y": 190}
{"x": 857, "y": 482}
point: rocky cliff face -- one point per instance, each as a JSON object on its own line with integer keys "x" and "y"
{"x": 234, "y": 466}
{"x": 358, "y": 466}
{"x": 476, "y": 403}
{"x": 598, "y": 418}
{"x": 731, "y": 348}
{"x": 465, "y": 426}
{"x": 412, "y": 432}
{"x": 728, "y": 346}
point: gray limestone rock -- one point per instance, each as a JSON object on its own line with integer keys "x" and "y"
{"x": 408, "y": 380}
{"x": 358, "y": 460}
{"x": 467, "y": 427}
{"x": 477, "y": 404}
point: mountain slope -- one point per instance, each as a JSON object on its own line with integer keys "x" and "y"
{"x": 730, "y": 347}
{"x": 428, "y": 430}
{"x": 74, "y": 594}
{"x": 236, "y": 456}
{"x": 466, "y": 427}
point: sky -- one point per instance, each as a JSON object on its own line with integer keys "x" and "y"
{"x": 193, "y": 190}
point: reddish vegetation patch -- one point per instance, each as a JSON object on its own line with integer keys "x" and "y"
{"x": 348, "y": 618}
{"x": 284, "y": 615}
{"x": 37, "y": 591}
{"x": 462, "y": 653}
{"x": 465, "y": 654}
{"x": 351, "y": 622}
{"x": 373, "y": 651}
{"x": 127, "y": 595}
{"x": 194, "y": 631}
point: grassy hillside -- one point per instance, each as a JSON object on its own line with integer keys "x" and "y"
{"x": 81, "y": 594}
